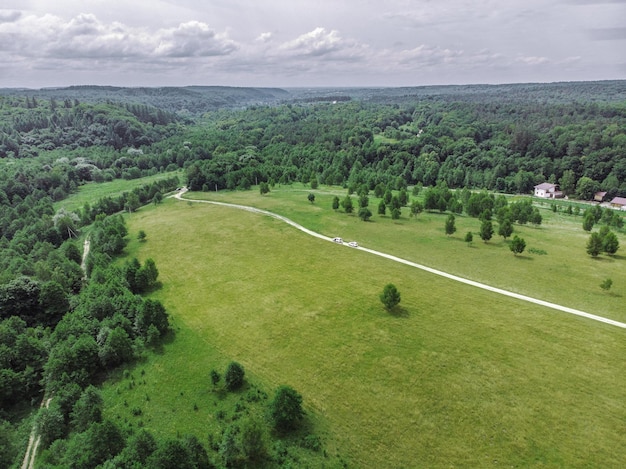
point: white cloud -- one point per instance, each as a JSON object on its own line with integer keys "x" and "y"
{"x": 321, "y": 43}
{"x": 264, "y": 37}
{"x": 85, "y": 37}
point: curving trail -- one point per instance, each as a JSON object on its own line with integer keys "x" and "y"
{"x": 456, "y": 278}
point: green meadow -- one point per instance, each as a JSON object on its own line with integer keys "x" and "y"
{"x": 454, "y": 377}
{"x": 92, "y": 192}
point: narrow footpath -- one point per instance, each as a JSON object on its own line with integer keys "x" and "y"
{"x": 456, "y": 278}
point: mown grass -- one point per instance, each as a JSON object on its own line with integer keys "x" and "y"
{"x": 564, "y": 275}
{"x": 92, "y": 192}
{"x": 455, "y": 377}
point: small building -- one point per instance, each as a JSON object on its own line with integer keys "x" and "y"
{"x": 599, "y": 196}
{"x": 619, "y": 203}
{"x": 547, "y": 190}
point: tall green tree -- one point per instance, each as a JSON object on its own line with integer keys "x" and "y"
{"x": 285, "y": 410}
{"x": 365, "y": 214}
{"x": 610, "y": 243}
{"x": 450, "y": 225}
{"x": 594, "y": 245}
{"x": 234, "y": 376}
{"x": 505, "y": 229}
{"x": 347, "y": 204}
{"x": 486, "y": 230}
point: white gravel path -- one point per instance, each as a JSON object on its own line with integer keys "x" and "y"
{"x": 456, "y": 278}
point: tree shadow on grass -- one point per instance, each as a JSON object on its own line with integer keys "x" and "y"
{"x": 398, "y": 312}
{"x": 524, "y": 258}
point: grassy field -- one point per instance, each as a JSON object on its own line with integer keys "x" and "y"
{"x": 92, "y": 192}
{"x": 565, "y": 274}
{"x": 456, "y": 377}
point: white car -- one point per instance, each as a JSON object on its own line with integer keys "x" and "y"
{"x": 353, "y": 244}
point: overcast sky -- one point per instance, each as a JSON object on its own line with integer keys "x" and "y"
{"x": 289, "y": 43}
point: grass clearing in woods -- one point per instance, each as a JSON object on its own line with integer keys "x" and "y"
{"x": 457, "y": 376}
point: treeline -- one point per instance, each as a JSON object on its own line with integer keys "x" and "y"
{"x": 494, "y": 146}
{"x": 29, "y": 126}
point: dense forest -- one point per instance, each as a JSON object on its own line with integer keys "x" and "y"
{"x": 64, "y": 324}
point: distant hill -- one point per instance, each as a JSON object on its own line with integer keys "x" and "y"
{"x": 182, "y": 100}
{"x": 560, "y": 92}
{"x": 195, "y": 100}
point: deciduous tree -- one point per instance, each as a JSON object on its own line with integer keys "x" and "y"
{"x": 285, "y": 410}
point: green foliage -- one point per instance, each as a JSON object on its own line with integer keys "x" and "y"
{"x": 365, "y": 214}
{"x": 390, "y": 297}
{"x": 469, "y": 237}
{"x": 486, "y": 230}
{"x": 450, "y": 225}
{"x": 285, "y": 410}
{"x": 606, "y": 284}
{"x": 610, "y": 243}
{"x": 234, "y": 376}
{"x": 347, "y": 205}
{"x": 141, "y": 236}
{"x": 253, "y": 439}
{"x": 517, "y": 245}
{"x": 335, "y": 203}
{"x": 416, "y": 208}
{"x": 215, "y": 377}
{"x": 264, "y": 188}
{"x": 395, "y": 213}
{"x": 505, "y": 229}
{"x": 311, "y": 197}
{"x": 594, "y": 245}
{"x": 87, "y": 409}
{"x": 588, "y": 221}
{"x": 382, "y": 208}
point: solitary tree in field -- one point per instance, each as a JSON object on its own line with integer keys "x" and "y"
{"x": 264, "y": 188}
{"x": 517, "y": 245}
{"x": 233, "y": 378}
{"x": 141, "y": 236}
{"x": 311, "y": 197}
{"x": 335, "y": 203}
{"x": 390, "y": 297}
{"x": 486, "y": 230}
{"x": 594, "y": 245}
{"x": 469, "y": 237}
{"x": 285, "y": 410}
{"x": 450, "y": 226}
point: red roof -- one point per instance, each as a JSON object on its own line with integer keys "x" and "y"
{"x": 618, "y": 201}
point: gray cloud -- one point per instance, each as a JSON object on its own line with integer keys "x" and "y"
{"x": 297, "y": 42}
{"x": 608, "y": 34}
{"x": 8, "y": 16}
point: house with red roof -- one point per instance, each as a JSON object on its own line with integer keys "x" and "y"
{"x": 619, "y": 203}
